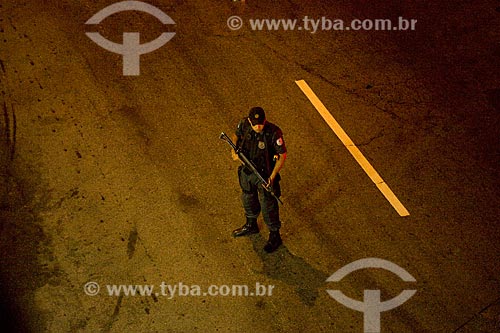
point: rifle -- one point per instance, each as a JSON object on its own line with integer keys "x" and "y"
{"x": 249, "y": 165}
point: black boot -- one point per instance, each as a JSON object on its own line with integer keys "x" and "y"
{"x": 274, "y": 241}
{"x": 249, "y": 228}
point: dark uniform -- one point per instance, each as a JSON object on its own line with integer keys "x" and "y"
{"x": 262, "y": 149}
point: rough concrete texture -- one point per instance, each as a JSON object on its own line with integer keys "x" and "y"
{"x": 122, "y": 180}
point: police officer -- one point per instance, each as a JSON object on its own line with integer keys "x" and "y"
{"x": 262, "y": 143}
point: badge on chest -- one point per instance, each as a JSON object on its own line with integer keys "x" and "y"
{"x": 261, "y": 145}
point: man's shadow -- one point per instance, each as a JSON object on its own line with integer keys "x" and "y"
{"x": 284, "y": 266}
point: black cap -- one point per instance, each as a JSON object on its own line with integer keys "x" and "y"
{"x": 257, "y": 115}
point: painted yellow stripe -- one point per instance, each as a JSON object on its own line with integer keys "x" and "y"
{"x": 355, "y": 152}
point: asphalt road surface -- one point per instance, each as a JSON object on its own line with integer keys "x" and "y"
{"x": 120, "y": 179}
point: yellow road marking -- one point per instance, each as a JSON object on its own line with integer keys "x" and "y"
{"x": 355, "y": 152}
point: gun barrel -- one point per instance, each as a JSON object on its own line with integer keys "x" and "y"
{"x": 223, "y": 136}
{"x": 249, "y": 164}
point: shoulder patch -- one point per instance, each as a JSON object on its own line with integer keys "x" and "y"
{"x": 279, "y": 142}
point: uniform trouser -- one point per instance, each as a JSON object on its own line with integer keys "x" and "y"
{"x": 255, "y": 198}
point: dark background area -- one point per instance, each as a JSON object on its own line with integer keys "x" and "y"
{"x": 122, "y": 180}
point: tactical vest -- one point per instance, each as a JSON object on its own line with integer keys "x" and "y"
{"x": 258, "y": 147}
